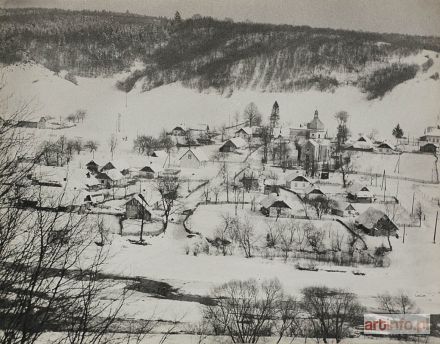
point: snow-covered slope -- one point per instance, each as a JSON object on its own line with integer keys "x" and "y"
{"x": 414, "y": 104}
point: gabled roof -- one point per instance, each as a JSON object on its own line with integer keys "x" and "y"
{"x": 237, "y": 142}
{"x": 342, "y": 205}
{"x": 180, "y": 127}
{"x": 112, "y": 174}
{"x": 365, "y": 139}
{"x": 147, "y": 168}
{"x": 271, "y": 199}
{"x": 141, "y": 200}
{"x": 374, "y": 218}
{"x": 355, "y": 188}
{"x": 93, "y": 163}
{"x": 386, "y": 145}
{"x": 247, "y": 130}
{"x": 293, "y": 177}
{"x": 119, "y": 165}
{"x": 198, "y": 153}
{"x": 313, "y": 189}
{"x": 159, "y": 154}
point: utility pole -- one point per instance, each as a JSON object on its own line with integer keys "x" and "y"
{"x": 412, "y": 207}
{"x": 404, "y": 232}
{"x": 435, "y": 228}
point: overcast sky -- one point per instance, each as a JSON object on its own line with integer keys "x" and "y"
{"x": 403, "y": 16}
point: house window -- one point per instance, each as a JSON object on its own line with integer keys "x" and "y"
{"x": 189, "y": 156}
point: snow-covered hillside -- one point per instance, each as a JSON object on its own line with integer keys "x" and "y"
{"x": 414, "y": 104}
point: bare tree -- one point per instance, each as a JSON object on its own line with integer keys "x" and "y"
{"x": 345, "y": 166}
{"x": 321, "y": 204}
{"x": 77, "y": 145}
{"x": 222, "y": 237}
{"x": 247, "y": 310}
{"x": 168, "y": 188}
{"x": 243, "y": 232}
{"x": 216, "y": 190}
{"x": 399, "y": 303}
{"x": 332, "y": 310}
{"x": 252, "y": 115}
{"x": 80, "y": 115}
{"x": 286, "y": 237}
{"x": 315, "y": 237}
{"x": 92, "y": 146}
{"x": 45, "y": 280}
{"x": 113, "y": 143}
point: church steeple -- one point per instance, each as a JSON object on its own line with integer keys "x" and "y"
{"x": 316, "y": 114}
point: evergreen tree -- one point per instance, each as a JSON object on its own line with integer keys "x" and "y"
{"x": 177, "y": 18}
{"x": 398, "y": 132}
{"x": 275, "y": 115}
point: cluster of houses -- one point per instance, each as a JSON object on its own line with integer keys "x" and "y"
{"x": 40, "y": 124}
{"x": 288, "y": 200}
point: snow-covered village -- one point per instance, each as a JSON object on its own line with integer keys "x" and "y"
{"x": 195, "y": 179}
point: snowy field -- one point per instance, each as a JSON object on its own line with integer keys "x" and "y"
{"x": 414, "y": 104}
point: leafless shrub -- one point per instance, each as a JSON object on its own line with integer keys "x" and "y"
{"x": 399, "y": 303}
{"x": 331, "y": 311}
{"x": 247, "y": 310}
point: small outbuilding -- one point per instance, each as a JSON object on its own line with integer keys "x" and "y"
{"x": 341, "y": 208}
{"x": 147, "y": 172}
{"x": 232, "y": 145}
{"x": 376, "y": 223}
{"x": 360, "y": 193}
{"x": 429, "y": 148}
{"x": 385, "y": 147}
{"x": 275, "y": 206}
{"x": 137, "y": 208}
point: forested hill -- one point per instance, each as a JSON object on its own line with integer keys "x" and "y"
{"x": 206, "y": 53}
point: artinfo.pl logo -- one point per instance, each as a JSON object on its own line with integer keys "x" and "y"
{"x": 389, "y": 324}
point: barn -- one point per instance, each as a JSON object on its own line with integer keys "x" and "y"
{"x": 232, "y": 145}
{"x": 193, "y": 158}
{"x": 137, "y": 208}
{"x": 375, "y": 222}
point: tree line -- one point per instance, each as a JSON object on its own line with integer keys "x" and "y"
{"x": 202, "y": 52}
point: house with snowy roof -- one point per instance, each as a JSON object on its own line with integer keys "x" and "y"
{"x": 385, "y": 148}
{"x": 110, "y": 178}
{"x": 432, "y": 134}
{"x": 245, "y": 133}
{"x": 137, "y": 208}
{"x": 342, "y": 208}
{"x": 193, "y": 158}
{"x": 375, "y": 222}
{"x": 360, "y": 193}
{"x": 297, "y": 181}
{"x": 363, "y": 143}
{"x": 281, "y": 206}
{"x": 233, "y": 144}
{"x": 119, "y": 165}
